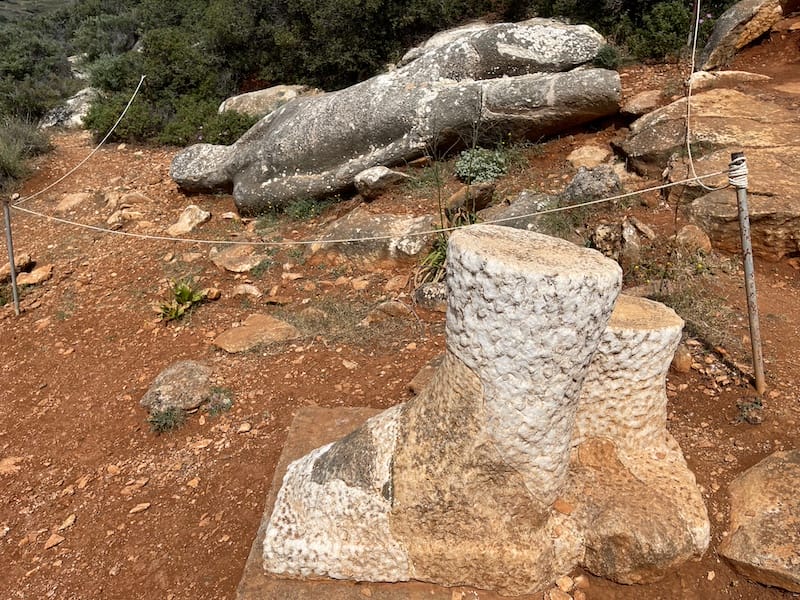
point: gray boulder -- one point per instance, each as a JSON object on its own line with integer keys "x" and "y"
{"x": 738, "y": 26}
{"x": 184, "y": 385}
{"x": 71, "y": 113}
{"x": 509, "y": 79}
{"x": 262, "y": 102}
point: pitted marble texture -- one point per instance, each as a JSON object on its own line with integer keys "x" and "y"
{"x": 539, "y": 445}
{"x": 334, "y": 521}
{"x": 526, "y": 313}
{"x": 624, "y": 396}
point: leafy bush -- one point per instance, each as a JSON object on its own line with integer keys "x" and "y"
{"x": 664, "y": 31}
{"x": 19, "y": 140}
{"x": 481, "y": 164}
{"x": 608, "y": 57}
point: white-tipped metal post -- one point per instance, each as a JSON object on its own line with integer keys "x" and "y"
{"x": 738, "y": 178}
{"x": 10, "y": 246}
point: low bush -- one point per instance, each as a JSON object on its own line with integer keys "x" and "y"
{"x": 19, "y": 141}
{"x": 477, "y": 165}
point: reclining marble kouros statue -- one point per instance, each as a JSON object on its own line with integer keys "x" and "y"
{"x": 524, "y": 80}
{"x": 539, "y": 446}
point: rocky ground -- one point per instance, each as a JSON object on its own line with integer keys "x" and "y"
{"x": 93, "y": 504}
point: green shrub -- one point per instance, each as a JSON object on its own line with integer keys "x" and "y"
{"x": 19, "y": 141}
{"x": 116, "y": 73}
{"x": 106, "y": 34}
{"x": 664, "y": 31}
{"x": 481, "y": 164}
{"x": 143, "y": 121}
{"x": 166, "y": 420}
{"x": 608, "y": 57}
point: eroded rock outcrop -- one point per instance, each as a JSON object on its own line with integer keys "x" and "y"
{"x": 518, "y": 79}
{"x": 499, "y": 475}
{"x": 738, "y": 26}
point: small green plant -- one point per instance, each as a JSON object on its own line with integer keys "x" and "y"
{"x": 166, "y": 419}
{"x": 261, "y": 268}
{"x": 481, "y": 164}
{"x": 183, "y": 297}
{"x": 305, "y": 208}
{"x": 221, "y": 401}
{"x": 432, "y": 268}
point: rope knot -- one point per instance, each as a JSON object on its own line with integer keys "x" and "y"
{"x": 737, "y": 171}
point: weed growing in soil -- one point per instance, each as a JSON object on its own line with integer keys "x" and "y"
{"x": 166, "y": 420}
{"x": 305, "y": 208}
{"x": 261, "y": 268}
{"x": 432, "y": 268}
{"x": 183, "y": 297}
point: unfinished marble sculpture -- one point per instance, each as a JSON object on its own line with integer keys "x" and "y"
{"x": 539, "y": 445}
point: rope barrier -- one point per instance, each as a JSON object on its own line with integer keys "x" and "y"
{"x": 689, "y": 103}
{"x": 91, "y": 154}
{"x": 287, "y": 243}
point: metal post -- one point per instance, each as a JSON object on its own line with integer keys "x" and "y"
{"x": 738, "y": 178}
{"x": 10, "y": 246}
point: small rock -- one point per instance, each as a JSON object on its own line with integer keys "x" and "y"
{"x": 68, "y": 522}
{"x": 471, "y": 198}
{"x": 349, "y": 365}
{"x": 711, "y": 576}
{"x": 211, "y": 293}
{"x": 247, "y": 289}
{"x": 562, "y": 506}
{"x": 692, "y": 239}
{"x": 557, "y": 594}
{"x": 23, "y": 262}
{"x": 565, "y": 583}
{"x": 257, "y": 329}
{"x": 37, "y": 276}
{"x": 578, "y": 595}
{"x": 642, "y": 103}
{"x": 374, "y": 180}
{"x": 588, "y": 156}
{"x": 244, "y": 428}
{"x": 682, "y": 361}
{"x": 71, "y": 201}
{"x": 193, "y": 483}
{"x": 139, "y": 508}
{"x": 53, "y": 541}
{"x": 366, "y": 592}
{"x": 113, "y": 470}
{"x": 582, "y": 582}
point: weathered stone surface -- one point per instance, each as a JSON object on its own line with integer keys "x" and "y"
{"x": 262, "y": 102}
{"x": 642, "y": 103}
{"x": 374, "y": 237}
{"x": 71, "y": 201}
{"x": 589, "y": 156}
{"x": 191, "y": 217}
{"x": 22, "y": 261}
{"x": 184, "y": 385}
{"x": 591, "y": 184}
{"x": 741, "y": 24}
{"x": 37, "y": 276}
{"x": 432, "y": 296}
{"x": 709, "y": 80}
{"x": 722, "y": 119}
{"x": 507, "y": 77}
{"x": 256, "y": 330}
{"x": 522, "y": 212}
{"x": 374, "y": 180}
{"x": 72, "y": 113}
{"x": 499, "y": 475}
{"x": 774, "y": 222}
{"x": 692, "y": 239}
{"x": 471, "y": 198}
{"x": 764, "y": 540}
{"x": 425, "y": 375}
{"x": 240, "y": 258}
{"x": 442, "y": 39}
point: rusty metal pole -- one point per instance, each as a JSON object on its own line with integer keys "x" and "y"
{"x": 10, "y": 247}
{"x": 738, "y": 179}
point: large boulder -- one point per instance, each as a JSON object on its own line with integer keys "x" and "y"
{"x": 764, "y": 541}
{"x": 518, "y": 80}
{"x": 738, "y": 26}
{"x": 726, "y": 121}
{"x": 71, "y": 114}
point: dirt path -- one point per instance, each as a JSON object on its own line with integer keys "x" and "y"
{"x": 173, "y": 516}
